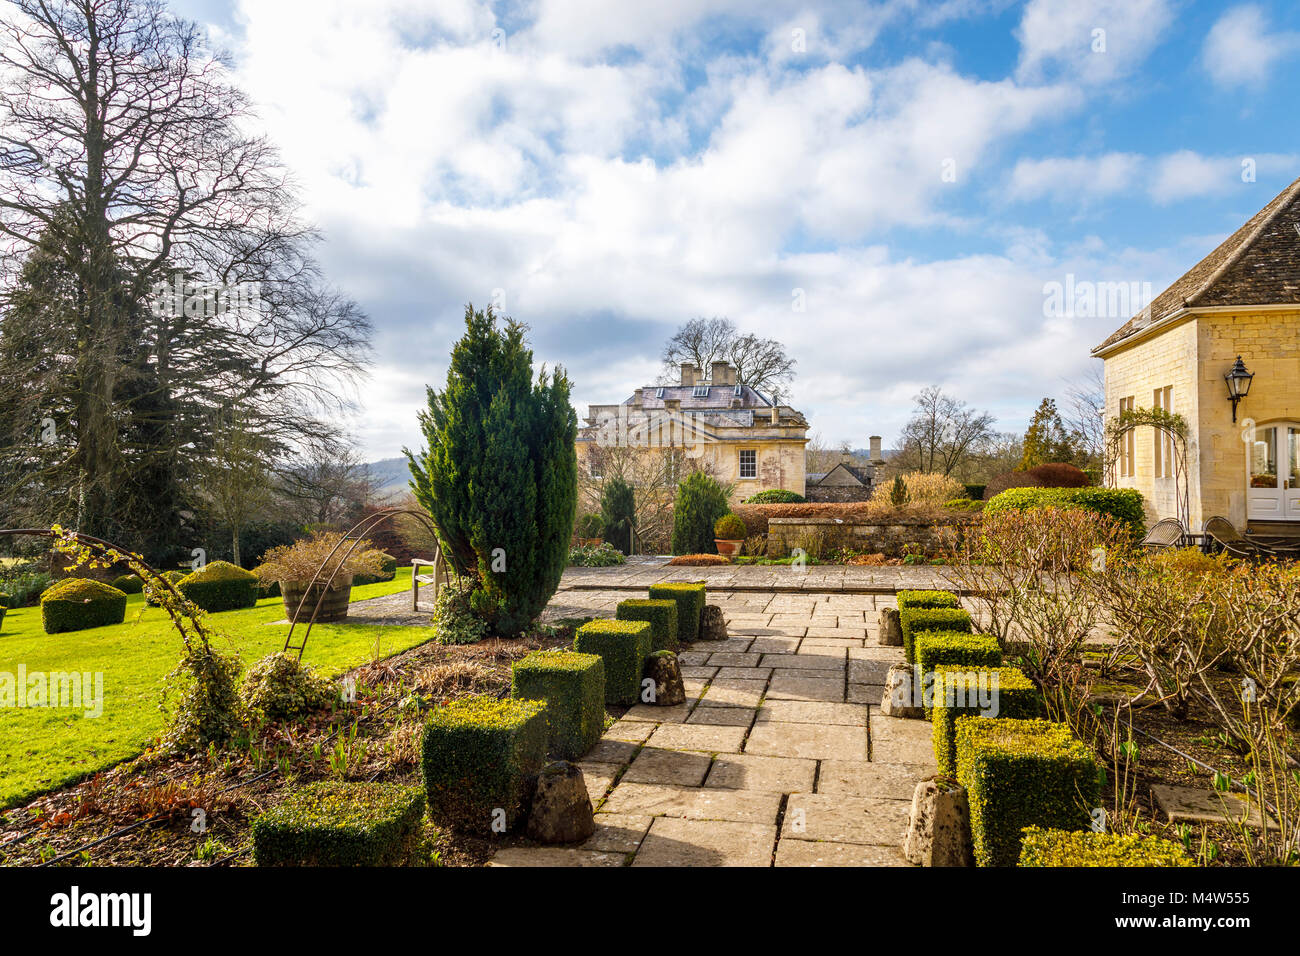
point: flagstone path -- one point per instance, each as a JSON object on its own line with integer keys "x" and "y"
{"x": 779, "y": 757}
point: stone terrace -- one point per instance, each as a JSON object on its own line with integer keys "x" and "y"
{"x": 780, "y": 756}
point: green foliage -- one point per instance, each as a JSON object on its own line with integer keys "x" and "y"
{"x": 916, "y": 620}
{"x": 499, "y": 477}
{"x": 573, "y": 687}
{"x": 76, "y": 604}
{"x": 624, "y": 646}
{"x": 930, "y": 599}
{"x": 984, "y": 692}
{"x": 618, "y": 511}
{"x": 221, "y": 586}
{"x": 946, "y": 648}
{"x": 729, "y": 528}
{"x": 964, "y": 504}
{"x": 279, "y": 688}
{"x": 481, "y": 755}
{"x": 700, "y": 502}
{"x": 1020, "y": 773}
{"x": 662, "y": 615}
{"x": 1046, "y": 440}
{"x": 24, "y": 584}
{"x": 589, "y": 526}
{"x": 456, "y": 618}
{"x": 128, "y": 583}
{"x": 341, "y": 824}
{"x": 898, "y": 494}
{"x": 603, "y": 555}
{"x": 1122, "y": 504}
{"x": 1045, "y": 847}
{"x": 209, "y": 710}
{"x": 776, "y": 496}
{"x": 690, "y": 597}
{"x": 151, "y": 599}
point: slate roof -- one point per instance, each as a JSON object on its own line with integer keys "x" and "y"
{"x": 1259, "y": 264}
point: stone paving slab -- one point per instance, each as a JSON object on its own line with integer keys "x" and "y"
{"x": 709, "y": 738}
{"x": 680, "y": 767}
{"x": 819, "y": 741}
{"x": 842, "y": 819}
{"x": 696, "y": 803}
{"x": 728, "y": 715}
{"x": 812, "y": 712}
{"x": 869, "y": 778}
{"x": 555, "y": 856}
{"x": 757, "y": 772}
{"x": 675, "y": 841}
{"x": 787, "y": 686}
{"x": 812, "y": 853}
{"x": 617, "y": 833}
{"x": 734, "y": 691}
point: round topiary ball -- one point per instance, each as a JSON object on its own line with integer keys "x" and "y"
{"x": 129, "y": 584}
{"x": 76, "y": 604}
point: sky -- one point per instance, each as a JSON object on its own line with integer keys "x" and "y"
{"x": 904, "y": 193}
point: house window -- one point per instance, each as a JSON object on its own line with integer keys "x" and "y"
{"x": 701, "y": 391}
{"x": 748, "y": 463}
{"x": 1127, "y": 445}
{"x": 1163, "y": 398}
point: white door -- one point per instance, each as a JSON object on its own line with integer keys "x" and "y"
{"x": 1273, "y": 482}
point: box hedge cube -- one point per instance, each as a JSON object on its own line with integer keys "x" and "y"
{"x": 915, "y": 620}
{"x": 1046, "y": 847}
{"x": 624, "y": 646}
{"x": 949, "y": 648}
{"x": 690, "y": 597}
{"x": 987, "y": 692}
{"x": 573, "y": 687}
{"x": 662, "y": 615}
{"x": 927, "y": 599}
{"x": 480, "y": 760}
{"x": 76, "y": 604}
{"x": 341, "y": 824}
{"x": 220, "y": 586}
{"x": 1021, "y": 773}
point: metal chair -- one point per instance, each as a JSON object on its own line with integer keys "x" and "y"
{"x": 1165, "y": 533}
{"x": 1225, "y": 534}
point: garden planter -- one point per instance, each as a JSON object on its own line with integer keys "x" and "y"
{"x": 590, "y": 542}
{"x": 333, "y": 608}
{"x": 728, "y": 549}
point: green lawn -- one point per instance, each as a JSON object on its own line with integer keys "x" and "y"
{"x": 44, "y": 747}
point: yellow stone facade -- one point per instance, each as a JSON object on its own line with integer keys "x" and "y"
{"x": 1190, "y": 356}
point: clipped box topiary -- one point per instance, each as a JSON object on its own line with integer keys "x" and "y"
{"x": 573, "y": 687}
{"x": 662, "y": 615}
{"x": 690, "y": 597}
{"x": 939, "y": 648}
{"x": 927, "y": 599}
{"x": 221, "y": 586}
{"x": 128, "y": 584}
{"x": 624, "y": 646}
{"x": 76, "y": 604}
{"x": 917, "y": 620}
{"x": 1020, "y": 773}
{"x": 1045, "y": 847}
{"x": 480, "y": 757}
{"x": 987, "y": 692}
{"x": 334, "y": 823}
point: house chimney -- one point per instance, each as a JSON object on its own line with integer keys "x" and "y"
{"x": 637, "y": 396}
{"x": 776, "y": 414}
{"x": 723, "y": 374}
{"x": 876, "y": 459}
{"x": 689, "y": 373}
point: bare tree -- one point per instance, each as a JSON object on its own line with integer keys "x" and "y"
{"x": 944, "y": 434}
{"x": 235, "y": 479}
{"x": 1085, "y": 412}
{"x": 760, "y": 363}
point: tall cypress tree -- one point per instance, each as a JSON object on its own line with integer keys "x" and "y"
{"x": 499, "y": 474}
{"x": 618, "y": 509}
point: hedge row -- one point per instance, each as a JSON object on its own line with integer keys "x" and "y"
{"x": 1040, "y": 847}
{"x": 936, "y": 649}
{"x": 76, "y": 604}
{"x": 220, "y": 586}
{"x": 1122, "y": 504}
{"x": 661, "y": 615}
{"x": 624, "y": 646}
{"x": 690, "y": 597}
{"x": 341, "y": 824}
{"x": 989, "y": 692}
{"x": 916, "y": 620}
{"x": 573, "y": 687}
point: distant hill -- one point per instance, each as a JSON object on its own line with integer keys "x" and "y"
{"x": 390, "y": 475}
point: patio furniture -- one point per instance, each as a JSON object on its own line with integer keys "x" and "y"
{"x": 1165, "y": 533}
{"x": 437, "y": 577}
{"x": 1253, "y": 548}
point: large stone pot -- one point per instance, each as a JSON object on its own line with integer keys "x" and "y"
{"x": 333, "y": 608}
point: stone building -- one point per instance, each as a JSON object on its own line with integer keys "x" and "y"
{"x": 847, "y": 480}
{"x": 1243, "y": 300}
{"x": 715, "y": 424}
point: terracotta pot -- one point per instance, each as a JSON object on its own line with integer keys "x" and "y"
{"x": 333, "y": 608}
{"x": 590, "y": 542}
{"x": 726, "y": 548}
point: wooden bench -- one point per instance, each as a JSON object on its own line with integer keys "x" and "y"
{"x": 437, "y": 576}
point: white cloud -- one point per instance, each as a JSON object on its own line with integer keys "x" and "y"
{"x": 1240, "y": 50}
{"x": 1094, "y": 41}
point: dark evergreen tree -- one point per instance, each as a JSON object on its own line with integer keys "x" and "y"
{"x": 618, "y": 510}
{"x": 700, "y": 502}
{"x": 499, "y": 475}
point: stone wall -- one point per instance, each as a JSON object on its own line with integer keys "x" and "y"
{"x": 887, "y": 538}
{"x": 837, "y": 493}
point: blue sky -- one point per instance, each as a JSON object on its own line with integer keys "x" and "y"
{"x": 917, "y": 174}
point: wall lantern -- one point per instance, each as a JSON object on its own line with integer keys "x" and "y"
{"x": 1238, "y": 380}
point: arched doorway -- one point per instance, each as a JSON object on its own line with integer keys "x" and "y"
{"x": 1273, "y": 472}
